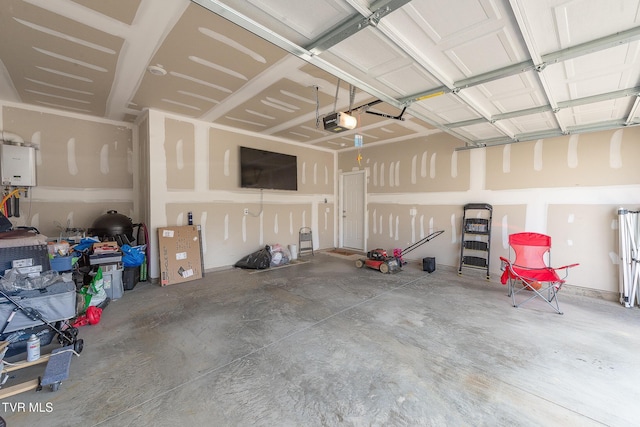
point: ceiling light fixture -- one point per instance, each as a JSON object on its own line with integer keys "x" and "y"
{"x": 156, "y": 70}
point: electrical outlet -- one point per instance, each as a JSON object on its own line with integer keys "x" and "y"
{"x": 246, "y": 211}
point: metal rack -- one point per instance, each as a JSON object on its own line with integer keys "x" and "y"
{"x": 475, "y": 247}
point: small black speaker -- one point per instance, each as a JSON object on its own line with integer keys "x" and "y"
{"x": 429, "y": 264}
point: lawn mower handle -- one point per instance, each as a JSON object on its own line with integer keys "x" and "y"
{"x": 422, "y": 241}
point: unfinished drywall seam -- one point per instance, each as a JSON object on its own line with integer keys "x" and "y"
{"x": 615, "y": 150}
{"x": 375, "y": 223}
{"x": 477, "y": 169}
{"x": 201, "y": 160}
{"x": 36, "y": 139}
{"x": 413, "y": 227}
{"x": 397, "y": 230}
{"x": 304, "y": 173}
{"x": 572, "y": 151}
{"x": 315, "y": 173}
{"x": 180, "y": 154}
{"x": 375, "y": 174}
{"x": 244, "y": 229}
{"x": 291, "y": 223}
{"x": 203, "y": 231}
{"x": 392, "y": 175}
{"x": 227, "y": 154}
{"x": 454, "y": 232}
{"x": 432, "y": 166}
{"x": 414, "y": 166}
{"x": 506, "y": 159}
{"x": 454, "y": 164}
{"x": 72, "y": 165}
{"x": 537, "y": 155}
{"x": 261, "y": 225}
{"x": 104, "y": 159}
{"x": 315, "y": 224}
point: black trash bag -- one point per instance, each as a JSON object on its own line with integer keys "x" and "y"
{"x": 258, "y": 260}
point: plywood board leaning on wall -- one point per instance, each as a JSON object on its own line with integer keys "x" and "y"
{"x": 180, "y": 256}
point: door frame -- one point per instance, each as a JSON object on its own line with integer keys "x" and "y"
{"x": 364, "y": 209}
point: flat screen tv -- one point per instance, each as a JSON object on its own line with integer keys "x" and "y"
{"x": 268, "y": 170}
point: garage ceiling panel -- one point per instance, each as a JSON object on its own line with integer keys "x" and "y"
{"x": 533, "y": 123}
{"x": 476, "y": 69}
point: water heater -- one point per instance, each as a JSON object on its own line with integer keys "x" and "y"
{"x": 18, "y": 165}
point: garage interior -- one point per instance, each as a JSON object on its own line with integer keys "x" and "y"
{"x": 527, "y": 106}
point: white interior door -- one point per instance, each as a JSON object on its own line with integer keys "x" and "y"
{"x": 353, "y": 210}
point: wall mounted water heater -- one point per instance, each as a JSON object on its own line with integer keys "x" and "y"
{"x": 18, "y": 165}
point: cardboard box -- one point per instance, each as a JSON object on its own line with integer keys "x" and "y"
{"x": 180, "y": 259}
{"x": 105, "y": 247}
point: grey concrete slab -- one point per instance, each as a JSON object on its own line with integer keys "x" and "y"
{"x": 323, "y": 343}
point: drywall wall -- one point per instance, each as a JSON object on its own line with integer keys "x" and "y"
{"x": 568, "y": 187}
{"x": 193, "y": 166}
{"x": 84, "y": 167}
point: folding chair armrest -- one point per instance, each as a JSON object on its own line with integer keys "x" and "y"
{"x": 567, "y": 266}
{"x": 505, "y": 266}
{"x": 566, "y": 269}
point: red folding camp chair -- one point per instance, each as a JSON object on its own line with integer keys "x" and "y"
{"x": 530, "y": 272}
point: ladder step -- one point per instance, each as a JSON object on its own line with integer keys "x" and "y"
{"x": 474, "y": 261}
{"x": 476, "y": 245}
{"x": 57, "y": 369}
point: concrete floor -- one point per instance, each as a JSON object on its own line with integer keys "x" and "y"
{"x": 322, "y": 343}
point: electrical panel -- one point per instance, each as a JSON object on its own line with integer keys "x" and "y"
{"x": 18, "y": 165}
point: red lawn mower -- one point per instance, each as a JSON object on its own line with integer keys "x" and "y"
{"x": 379, "y": 260}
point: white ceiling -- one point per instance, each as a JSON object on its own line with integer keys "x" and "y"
{"x": 486, "y": 71}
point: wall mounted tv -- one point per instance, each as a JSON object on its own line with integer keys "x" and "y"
{"x": 268, "y": 170}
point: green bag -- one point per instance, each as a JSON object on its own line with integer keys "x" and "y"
{"x": 94, "y": 293}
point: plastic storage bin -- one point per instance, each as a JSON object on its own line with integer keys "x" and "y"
{"x": 61, "y": 263}
{"x": 112, "y": 281}
{"x": 130, "y": 277}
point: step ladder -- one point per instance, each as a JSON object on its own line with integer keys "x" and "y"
{"x": 305, "y": 241}
{"x": 475, "y": 247}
